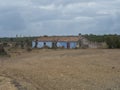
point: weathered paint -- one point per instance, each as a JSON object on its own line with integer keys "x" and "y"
{"x": 59, "y": 44}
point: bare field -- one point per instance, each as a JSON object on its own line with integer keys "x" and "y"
{"x": 83, "y": 69}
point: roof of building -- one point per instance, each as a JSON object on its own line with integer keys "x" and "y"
{"x": 58, "y": 38}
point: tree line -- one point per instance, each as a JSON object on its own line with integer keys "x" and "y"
{"x": 112, "y": 40}
{"x": 22, "y": 42}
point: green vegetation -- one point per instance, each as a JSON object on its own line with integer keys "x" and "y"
{"x": 2, "y": 51}
{"x": 112, "y": 40}
{"x": 16, "y": 39}
{"x": 18, "y": 42}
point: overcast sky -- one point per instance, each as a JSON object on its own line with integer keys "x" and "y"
{"x": 59, "y": 17}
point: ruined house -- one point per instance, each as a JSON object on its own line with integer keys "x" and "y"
{"x": 59, "y": 42}
{"x": 68, "y": 42}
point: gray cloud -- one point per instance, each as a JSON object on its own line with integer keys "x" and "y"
{"x": 38, "y": 17}
{"x": 11, "y": 20}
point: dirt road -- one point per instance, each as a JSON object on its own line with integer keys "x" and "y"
{"x": 84, "y": 69}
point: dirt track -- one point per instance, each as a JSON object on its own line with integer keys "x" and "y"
{"x": 84, "y": 69}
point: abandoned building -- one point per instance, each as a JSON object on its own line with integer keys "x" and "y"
{"x": 58, "y": 41}
{"x": 68, "y": 42}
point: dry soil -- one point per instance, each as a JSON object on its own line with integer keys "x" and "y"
{"x": 83, "y": 69}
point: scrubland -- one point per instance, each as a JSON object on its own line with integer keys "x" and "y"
{"x": 82, "y": 69}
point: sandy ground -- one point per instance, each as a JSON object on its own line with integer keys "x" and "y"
{"x": 84, "y": 69}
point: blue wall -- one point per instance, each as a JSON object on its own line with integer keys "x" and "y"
{"x": 59, "y": 44}
{"x": 41, "y": 44}
{"x": 64, "y": 44}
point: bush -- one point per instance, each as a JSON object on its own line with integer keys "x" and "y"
{"x": 2, "y": 51}
{"x": 29, "y": 49}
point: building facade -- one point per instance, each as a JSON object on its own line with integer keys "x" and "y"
{"x": 69, "y": 42}
{"x": 57, "y": 41}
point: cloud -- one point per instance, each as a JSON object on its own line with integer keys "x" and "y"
{"x": 38, "y": 17}
{"x": 11, "y": 20}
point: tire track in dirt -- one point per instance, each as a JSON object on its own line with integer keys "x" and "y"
{"x": 8, "y": 83}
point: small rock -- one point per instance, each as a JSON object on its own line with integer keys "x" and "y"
{"x": 113, "y": 67}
